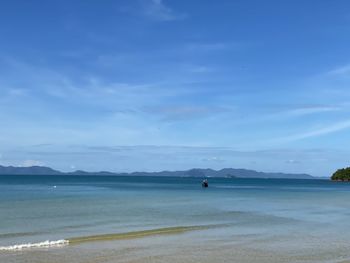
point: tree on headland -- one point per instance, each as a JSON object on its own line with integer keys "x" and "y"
{"x": 341, "y": 175}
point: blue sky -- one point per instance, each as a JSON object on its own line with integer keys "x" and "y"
{"x": 153, "y": 85}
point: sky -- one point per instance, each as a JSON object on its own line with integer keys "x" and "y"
{"x": 150, "y": 85}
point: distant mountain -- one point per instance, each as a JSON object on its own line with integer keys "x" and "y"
{"x": 39, "y": 170}
{"x": 226, "y": 172}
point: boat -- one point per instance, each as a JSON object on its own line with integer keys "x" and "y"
{"x": 205, "y": 183}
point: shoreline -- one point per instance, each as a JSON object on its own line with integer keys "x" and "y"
{"x": 107, "y": 237}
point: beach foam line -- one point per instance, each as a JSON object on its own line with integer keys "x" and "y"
{"x": 44, "y": 244}
{"x": 136, "y": 234}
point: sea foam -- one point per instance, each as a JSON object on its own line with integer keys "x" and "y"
{"x": 44, "y": 244}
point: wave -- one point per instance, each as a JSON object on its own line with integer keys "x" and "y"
{"x": 106, "y": 237}
{"x": 44, "y": 244}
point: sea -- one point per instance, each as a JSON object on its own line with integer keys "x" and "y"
{"x": 172, "y": 219}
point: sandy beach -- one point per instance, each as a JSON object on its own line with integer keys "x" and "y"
{"x": 195, "y": 246}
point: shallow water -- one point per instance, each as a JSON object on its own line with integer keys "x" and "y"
{"x": 240, "y": 220}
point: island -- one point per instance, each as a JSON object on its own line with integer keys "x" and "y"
{"x": 341, "y": 175}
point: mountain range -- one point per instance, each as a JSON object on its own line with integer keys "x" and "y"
{"x": 226, "y": 172}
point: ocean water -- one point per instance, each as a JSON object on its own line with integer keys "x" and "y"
{"x": 168, "y": 219}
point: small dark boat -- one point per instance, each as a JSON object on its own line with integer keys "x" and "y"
{"x": 205, "y": 183}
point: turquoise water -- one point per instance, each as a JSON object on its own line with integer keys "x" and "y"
{"x": 38, "y": 208}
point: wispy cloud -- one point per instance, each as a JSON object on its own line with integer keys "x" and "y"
{"x": 275, "y": 113}
{"x": 184, "y": 112}
{"x": 213, "y": 159}
{"x": 86, "y": 89}
{"x": 340, "y": 71}
{"x": 199, "y": 69}
{"x": 205, "y": 46}
{"x": 311, "y": 109}
{"x": 159, "y": 11}
{"x": 339, "y": 126}
{"x": 296, "y": 111}
{"x": 292, "y": 161}
{"x": 17, "y": 92}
